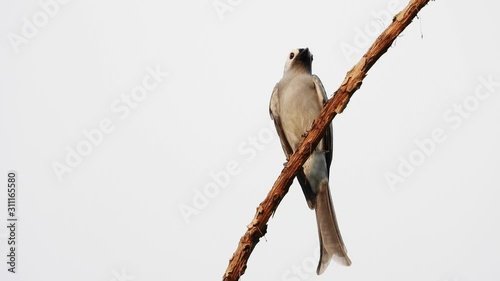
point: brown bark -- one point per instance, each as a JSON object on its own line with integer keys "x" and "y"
{"x": 257, "y": 228}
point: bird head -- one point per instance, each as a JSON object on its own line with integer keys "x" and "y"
{"x": 299, "y": 60}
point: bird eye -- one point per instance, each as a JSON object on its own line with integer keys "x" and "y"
{"x": 292, "y": 55}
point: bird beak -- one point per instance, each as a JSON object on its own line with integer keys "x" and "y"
{"x": 304, "y": 55}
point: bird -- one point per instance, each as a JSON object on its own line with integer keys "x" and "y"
{"x": 296, "y": 100}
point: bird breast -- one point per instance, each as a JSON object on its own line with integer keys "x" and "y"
{"x": 299, "y": 106}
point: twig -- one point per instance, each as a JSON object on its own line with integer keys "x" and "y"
{"x": 257, "y": 228}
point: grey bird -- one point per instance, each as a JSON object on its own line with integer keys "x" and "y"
{"x": 296, "y": 101}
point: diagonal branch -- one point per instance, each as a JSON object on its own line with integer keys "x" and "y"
{"x": 257, "y": 228}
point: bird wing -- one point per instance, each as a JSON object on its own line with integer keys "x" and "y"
{"x": 274, "y": 109}
{"x": 328, "y": 138}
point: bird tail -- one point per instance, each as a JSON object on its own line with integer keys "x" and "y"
{"x": 331, "y": 244}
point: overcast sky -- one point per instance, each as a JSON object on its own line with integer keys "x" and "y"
{"x": 142, "y": 143}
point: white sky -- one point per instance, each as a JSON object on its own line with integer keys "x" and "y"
{"x": 116, "y": 215}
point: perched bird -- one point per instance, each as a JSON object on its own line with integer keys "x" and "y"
{"x": 296, "y": 101}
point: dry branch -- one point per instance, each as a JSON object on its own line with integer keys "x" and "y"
{"x": 352, "y": 82}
